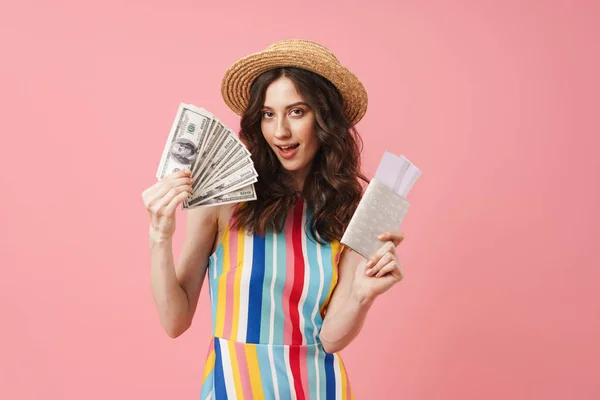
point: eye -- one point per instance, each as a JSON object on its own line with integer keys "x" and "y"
{"x": 297, "y": 111}
{"x": 267, "y": 114}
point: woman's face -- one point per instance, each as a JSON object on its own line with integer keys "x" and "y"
{"x": 288, "y": 126}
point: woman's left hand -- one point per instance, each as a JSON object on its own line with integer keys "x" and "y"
{"x": 379, "y": 272}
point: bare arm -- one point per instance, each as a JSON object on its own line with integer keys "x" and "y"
{"x": 360, "y": 282}
{"x": 176, "y": 289}
{"x": 346, "y": 311}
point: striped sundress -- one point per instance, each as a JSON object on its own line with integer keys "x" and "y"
{"x": 268, "y": 294}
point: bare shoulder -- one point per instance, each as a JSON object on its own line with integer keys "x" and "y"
{"x": 201, "y": 218}
{"x": 225, "y": 213}
{"x": 206, "y": 224}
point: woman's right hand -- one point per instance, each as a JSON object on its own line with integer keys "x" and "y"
{"x": 162, "y": 199}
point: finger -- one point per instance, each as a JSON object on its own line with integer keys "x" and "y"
{"x": 387, "y": 247}
{"x": 390, "y": 268}
{"x": 149, "y": 194}
{"x": 159, "y": 207}
{"x": 177, "y": 200}
{"x": 178, "y": 174}
{"x": 170, "y": 184}
{"x": 164, "y": 195}
{"x": 383, "y": 261}
{"x": 394, "y": 236}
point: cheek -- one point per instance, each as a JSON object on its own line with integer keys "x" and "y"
{"x": 267, "y": 134}
{"x": 312, "y": 140}
{"x": 308, "y": 134}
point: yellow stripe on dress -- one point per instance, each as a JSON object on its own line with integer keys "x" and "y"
{"x": 239, "y": 394}
{"x": 236, "y": 285}
{"x": 254, "y": 371}
{"x": 343, "y": 378}
{"x": 220, "y": 320}
{"x": 336, "y": 249}
{"x": 209, "y": 366}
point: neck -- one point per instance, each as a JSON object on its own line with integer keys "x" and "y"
{"x": 299, "y": 177}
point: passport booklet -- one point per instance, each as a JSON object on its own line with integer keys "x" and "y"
{"x": 383, "y": 205}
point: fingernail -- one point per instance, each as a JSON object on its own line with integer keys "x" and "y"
{"x": 369, "y": 263}
{"x": 369, "y": 272}
{"x": 381, "y": 236}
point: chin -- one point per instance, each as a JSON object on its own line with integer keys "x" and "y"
{"x": 291, "y": 168}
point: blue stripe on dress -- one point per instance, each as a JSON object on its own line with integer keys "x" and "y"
{"x": 256, "y": 289}
{"x": 322, "y": 373}
{"x": 281, "y": 370}
{"x": 311, "y": 371}
{"x": 207, "y": 387}
{"x": 266, "y": 377}
{"x": 215, "y": 267}
{"x": 220, "y": 390}
{"x": 313, "y": 287}
{"x": 330, "y": 376}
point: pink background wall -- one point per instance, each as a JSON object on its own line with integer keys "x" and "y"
{"x": 497, "y": 102}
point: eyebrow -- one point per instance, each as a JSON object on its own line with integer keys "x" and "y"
{"x": 299, "y": 103}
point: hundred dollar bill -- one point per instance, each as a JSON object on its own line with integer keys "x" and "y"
{"x": 220, "y": 163}
{"x": 205, "y": 138}
{"x": 221, "y": 170}
{"x": 213, "y": 142}
{"x": 232, "y": 182}
{"x": 236, "y": 162}
{"x": 210, "y": 167}
{"x": 246, "y": 193}
{"x": 237, "y": 175}
{"x": 236, "y": 159}
{"x": 202, "y": 152}
{"x": 185, "y": 138}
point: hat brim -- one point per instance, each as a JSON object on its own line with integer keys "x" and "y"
{"x": 235, "y": 86}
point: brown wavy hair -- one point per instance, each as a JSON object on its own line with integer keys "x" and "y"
{"x": 333, "y": 186}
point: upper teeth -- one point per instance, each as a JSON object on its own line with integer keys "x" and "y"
{"x": 287, "y": 147}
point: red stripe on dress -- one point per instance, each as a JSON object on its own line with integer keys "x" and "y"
{"x": 304, "y": 368}
{"x": 298, "y": 274}
{"x": 296, "y": 373}
{"x": 289, "y": 279}
{"x": 295, "y": 295}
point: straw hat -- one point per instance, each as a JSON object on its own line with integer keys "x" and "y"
{"x": 235, "y": 87}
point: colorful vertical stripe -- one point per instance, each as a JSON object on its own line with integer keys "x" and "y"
{"x": 268, "y": 294}
{"x": 262, "y": 371}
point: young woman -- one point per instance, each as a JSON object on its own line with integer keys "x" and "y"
{"x": 286, "y": 296}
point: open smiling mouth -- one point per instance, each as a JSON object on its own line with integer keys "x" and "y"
{"x": 292, "y": 147}
{"x": 288, "y": 152}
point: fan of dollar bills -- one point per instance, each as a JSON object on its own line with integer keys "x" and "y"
{"x": 220, "y": 163}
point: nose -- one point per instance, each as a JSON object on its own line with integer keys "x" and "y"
{"x": 282, "y": 129}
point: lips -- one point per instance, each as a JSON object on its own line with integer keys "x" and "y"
{"x": 289, "y": 147}
{"x": 288, "y": 151}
